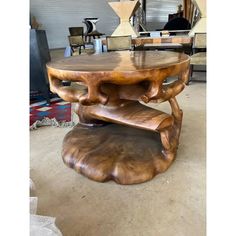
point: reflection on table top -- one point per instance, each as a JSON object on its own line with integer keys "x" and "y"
{"x": 119, "y": 61}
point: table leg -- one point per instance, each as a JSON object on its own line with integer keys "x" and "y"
{"x": 123, "y": 141}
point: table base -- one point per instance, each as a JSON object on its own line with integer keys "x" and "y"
{"x": 114, "y": 152}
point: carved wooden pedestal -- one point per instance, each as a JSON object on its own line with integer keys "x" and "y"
{"x": 119, "y": 138}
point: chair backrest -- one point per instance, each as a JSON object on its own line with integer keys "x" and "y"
{"x": 199, "y": 40}
{"x": 75, "y": 31}
{"x": 116, "y": 43}
{"x": 76, "y": 41}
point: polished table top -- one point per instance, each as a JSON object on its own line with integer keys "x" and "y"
{"x": 125, "y": 61}
{"x": 118, "y": 68}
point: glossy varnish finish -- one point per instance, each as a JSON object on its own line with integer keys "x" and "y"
{"x": 116, "y": 83}
{"x": 123, "y": 61}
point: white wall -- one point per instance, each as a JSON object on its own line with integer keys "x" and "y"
{"x": 57, "y": 15}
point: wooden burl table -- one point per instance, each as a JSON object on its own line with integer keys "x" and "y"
{"x": 118, "y": 137}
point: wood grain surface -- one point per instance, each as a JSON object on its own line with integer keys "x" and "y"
{"x": 120, "y": 68}
{"x": 119, "y": 61}
{"x": 119, "y": 138}
{"x": 123, "y": 154}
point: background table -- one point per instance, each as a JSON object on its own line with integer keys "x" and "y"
{"x": 118, "y": 138}
{"x": 179, "y": 43}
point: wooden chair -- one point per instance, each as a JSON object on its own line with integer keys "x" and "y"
{"x": 76, "y": 42}
{"x": 198, "y": 58}
{"x": 119, "y": 43}
{"x": 76, "y": 31}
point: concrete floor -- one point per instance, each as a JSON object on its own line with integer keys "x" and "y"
{"x": 172, "y": 204}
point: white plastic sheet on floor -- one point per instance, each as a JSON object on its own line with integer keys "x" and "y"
{"x": 41, "y": 225}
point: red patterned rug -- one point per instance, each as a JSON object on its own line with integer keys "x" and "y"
{"x": 57, "y": 113}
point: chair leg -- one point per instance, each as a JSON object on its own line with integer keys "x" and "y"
{"x": 191, "y": 71}
{"x": 72, "y": 51}
{"x": 190, "y": 74}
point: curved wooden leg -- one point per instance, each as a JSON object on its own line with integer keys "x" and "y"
{"x": 170, "y": 136}
{"x": 177, "y": 113}
{"x": 85, "y": 119}
{"x": 122, "y": 153}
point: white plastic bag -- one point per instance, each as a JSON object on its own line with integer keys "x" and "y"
{"x": 41, "y": 225}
